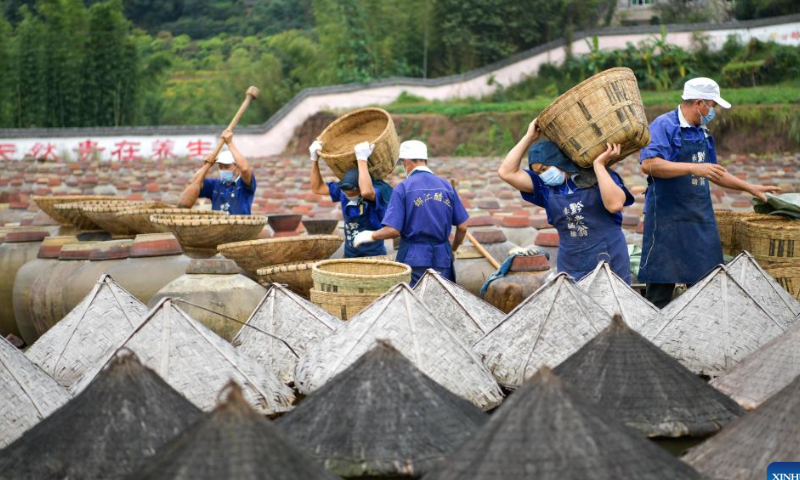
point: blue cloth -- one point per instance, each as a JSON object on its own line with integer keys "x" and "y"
{"x": 505, "y": 267}
{"x": 667, "y": 137}
{"x": 236, "y": 198}
{"x": 542, "y": 193}
{"x": 366, "y": 216}
{"x": 681, "y": 242}
{"x": 424, "y": 208}
{"x": 418, "y": 272}
{"x": 587, "y": 232}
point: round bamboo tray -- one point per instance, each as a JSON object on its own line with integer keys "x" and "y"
{"x": 772, "y": 240}
{"x": 255, "y": 254}
{"x": 48, "y": 204}
{"x": 199, "y": 235}
{"x": 343, "y": 305}
{"x": 295, "y": 275}
{"x": 787, "y": 274}
{"x": 730, "y": 228}
{"x": 74, "y": 213}
{"x": 359, "y": 275}
{"x": 138, "y": 218}
{"x": 604, "y": 108}
{"x": 373, "y": 125}
{"x": 105, "y": 215}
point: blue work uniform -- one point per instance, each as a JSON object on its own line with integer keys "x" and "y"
{"x": 424, "y": 208}
{"x": 681, "y": 242}
{"x": 367, "y": 215}
{"x": 236, "y": 197}
{"x": 587, "y": 232}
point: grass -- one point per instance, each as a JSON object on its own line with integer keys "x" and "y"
{"x": 770, "y": 95}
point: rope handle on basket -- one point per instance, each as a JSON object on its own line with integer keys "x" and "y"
{"x": 180, "y": 300}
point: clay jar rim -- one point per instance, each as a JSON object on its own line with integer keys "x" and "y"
{"x": 547, "y": 238}
{"x": 155, "y": 245}
{"x": 481, "y": 221}
{"x": 489, "y": 235}
{"x": 76, "y": 251}
{"x": 515, "y": 221}
{"x": 533, "y": 263}
{"x": 51, "y": 246}
{"x": 26, "y": 236}
{"x": 111, "y": 250}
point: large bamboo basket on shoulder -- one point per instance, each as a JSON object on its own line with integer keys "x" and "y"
{"x": 48, "y": 204}
{"x": 773, "y": 239}
{"x": 606, "y": 108}
{"x": 105, "y": 215}
{"x": 359, "y": 275}
{"x": 373, "y": 125}
{"x": 138, "y": 218}
{"x": 730, "y": 226}
{"x": 74, "y": 212}
{"x": 255, "y": 254}
{"x": 199, "y": 235}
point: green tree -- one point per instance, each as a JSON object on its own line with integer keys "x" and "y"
{"x": 30, "y": 89}
{"x": 66, "y": 24}
{"x": 7, "y": 81}
{"x": 750, "y": 9}
{"x": 111, "y": 69}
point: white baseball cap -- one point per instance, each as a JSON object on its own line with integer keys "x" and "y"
{"x": 225, "y": 157}
{"x": 703, "y": 88}
{"x": 413, "y": 150}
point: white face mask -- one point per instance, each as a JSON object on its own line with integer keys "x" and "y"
{"x": 353, "y": 201}
{"x": 553, "y": 177}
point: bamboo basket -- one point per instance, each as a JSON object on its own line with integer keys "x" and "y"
{"x": 295, "y": 275}
{"x": 138, "y": 218}
{"x": 343, "y": 305}
{"x": 373, "y": 125}
{"x": 255, "y": 254}
{"x": 199, "y": 235}
{"x": 604, "y": 108}
{"x": 48, "y": 204}
{"x": 730, "y": 227}
{"x": 787, "y": 274}
{"x": 105, "y": 216}
{"x": 359, "y": 275}
{"x": 772, "y": 240}
{"x": 74, "y": 213}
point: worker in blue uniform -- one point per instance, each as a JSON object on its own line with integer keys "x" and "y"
{"x": 363, "y": 199}
{"x": 681, "y": 242}
{"x": 422, "y": 211}
{"x": 233, "y": 191}
{"x": 583, "y": 204}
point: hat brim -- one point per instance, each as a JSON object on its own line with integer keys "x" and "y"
{"x": 722, "y": 102}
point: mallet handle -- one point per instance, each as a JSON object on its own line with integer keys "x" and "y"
{"x": 251, "y": 94}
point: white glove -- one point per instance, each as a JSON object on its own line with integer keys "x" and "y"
{"x": 312, "y": 150}
{"x": 363, "y": 237}
{"x": 363, "y": 151}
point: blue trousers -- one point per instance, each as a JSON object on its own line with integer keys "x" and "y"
{"x": 418, "y": 272}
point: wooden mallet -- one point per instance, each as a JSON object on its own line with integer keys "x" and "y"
{"x": 251, "y": 94}
{"x": 192, "y": 191}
